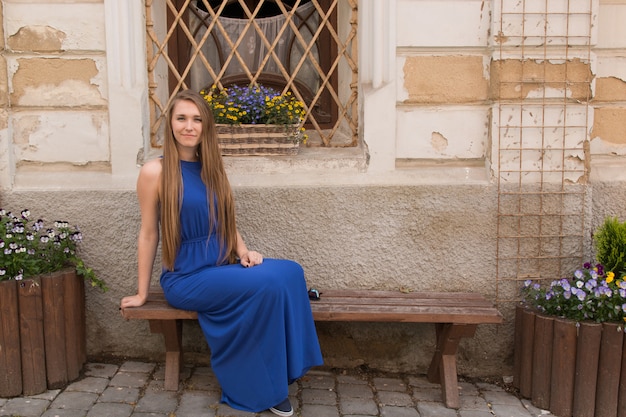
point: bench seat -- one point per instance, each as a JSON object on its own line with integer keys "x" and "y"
{"x": 455, "y": 315}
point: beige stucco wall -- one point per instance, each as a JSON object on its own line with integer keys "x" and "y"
{"x": 413, "y": 209}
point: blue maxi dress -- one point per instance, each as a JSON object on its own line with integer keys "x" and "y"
{"x": 257, "y": 321}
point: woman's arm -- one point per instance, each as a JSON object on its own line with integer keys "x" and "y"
{"x": 148, "y": 240}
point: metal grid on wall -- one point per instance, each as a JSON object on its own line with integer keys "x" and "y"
{"x": 543, "y": 86}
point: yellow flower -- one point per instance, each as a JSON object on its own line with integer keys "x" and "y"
{"x": 609, "y": 277}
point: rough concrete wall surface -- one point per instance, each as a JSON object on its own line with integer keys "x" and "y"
{"x": 419, "y": 238}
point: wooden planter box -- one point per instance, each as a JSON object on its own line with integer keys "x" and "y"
{"x": 567, "y": 369}
{"x": 257, "y": 139}
{"x": 42, "y": 333}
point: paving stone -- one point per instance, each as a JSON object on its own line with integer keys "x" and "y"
{"x": 129, "y": 379}
{"x": 101, "y": 370}
{"x": 510, "y": 410}
{"x": 203, "y": 381}
{"x": 224, "y": 410}
{"x": 427, "y": 394}
{"x": 391, "y": 411}
{"x": 3, "y": 401}
{"x": 475, "y": 413}
{"x": 89, "y": 384}
{"x": 120, "y": 395}
{"x": 155, "y": 386}
{"x": 319, "y": 410}
{"x": 319, "y": 396}
{"x": 485, "y": 386}
{"x": 198, "y": 404}
{"x": 355, "y": 391}
{"x": 428, "y": 409}
{"x": 58, "y": 412}
{"x": 422, "y": 382}
{"x": 358, "y": 406}
{"x": 293, "y": 389}
{"x": 49, "y": 395}
{"x": 75, "y": 400}
{"x": 390, "y": 384}
{"x": 133, "y": 366}
{"x": 24, "y": 407}
{"x": 351, "y": 379}
{"x": 157, "y": 402}
{"x": 474, "y": 403}
{"x": 466, "y": 388}
{"x": 319, "y": 381}
{"x": 401, "y": 399}
{"x": 149, "y": 415}
{"x": 535, "y": 411}
{"x": 111, "y": 410}
{"x": 501, "y": 397}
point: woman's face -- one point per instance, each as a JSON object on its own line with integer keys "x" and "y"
{"x": 186, "y": 127}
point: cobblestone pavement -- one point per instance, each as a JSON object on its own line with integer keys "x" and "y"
{"x": 135, "y": 389}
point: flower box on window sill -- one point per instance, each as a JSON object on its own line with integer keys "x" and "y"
{"x": 259, "y": 139}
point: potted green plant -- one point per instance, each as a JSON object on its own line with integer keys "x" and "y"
{"x": 42, "y": 337}
{"x": 569, "y": 333}
{"x": 256, "y": 120}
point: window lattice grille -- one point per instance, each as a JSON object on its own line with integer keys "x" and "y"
{"x": 543, "y": 82}
{"x": 307, "y": 47}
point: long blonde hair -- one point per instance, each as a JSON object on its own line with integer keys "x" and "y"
{"x": 222, "y": 213}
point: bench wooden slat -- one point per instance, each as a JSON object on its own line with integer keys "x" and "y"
{"x": 410, "y": 295}
{"x": 455, "y": 315}
{"x": 393, "y": 301}
{"x": 362, "y": 305}
{"x": 408, "y": 314}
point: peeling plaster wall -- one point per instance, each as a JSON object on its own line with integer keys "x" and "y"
{"x": 56, "y": 84}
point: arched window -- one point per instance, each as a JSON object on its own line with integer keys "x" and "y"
{"x": 307, "y": 47}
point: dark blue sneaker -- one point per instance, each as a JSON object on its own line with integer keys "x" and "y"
{"x": 283, "y": 409}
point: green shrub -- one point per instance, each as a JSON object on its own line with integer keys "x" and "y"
{"x": 610, "y": 242}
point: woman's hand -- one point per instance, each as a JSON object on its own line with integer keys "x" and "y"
{"x": 132, "y": 301}
{"x": 251, "y": 258}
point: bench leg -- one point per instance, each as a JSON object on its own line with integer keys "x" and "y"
{"x": 443, "y": 365}
{"x": 172, "y": 331}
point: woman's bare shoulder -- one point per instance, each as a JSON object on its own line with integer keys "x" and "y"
{"x": 151, "y": 168}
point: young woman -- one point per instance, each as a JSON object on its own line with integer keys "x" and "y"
{"x": 254, "y": 312}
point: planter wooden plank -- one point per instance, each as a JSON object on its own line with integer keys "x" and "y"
{"x": 526, "y": 353}
{"x": 31, "y": 336}
{"x": 542, "y": 361}
{"x": 608, "y": 372}
{"x": 10, "y": 356}
{"x": 621, "y": 402}
{"x": 563, "y": 368}
{"x": 54, "y": 329}
{"x": 517, "y": 345}
{"x": 74, "y": 324}
{"x": 587, "y": 357}
{"x": 82, "y": 351}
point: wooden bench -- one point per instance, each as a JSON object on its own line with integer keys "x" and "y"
{"x": 455, "y": 315}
